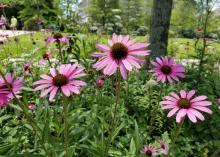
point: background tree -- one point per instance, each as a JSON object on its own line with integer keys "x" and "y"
{"x": 38, "y": 12}
{"x": 136, "y": 14}
{"x": 160, "y": 26}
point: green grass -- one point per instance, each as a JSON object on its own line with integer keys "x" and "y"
{"x": 185, "y": 48}
{"x": 33, "y": 49}
{"x": 24, "y": 47}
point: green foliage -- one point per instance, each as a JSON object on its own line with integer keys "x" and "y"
{"x": 38, "y": 12}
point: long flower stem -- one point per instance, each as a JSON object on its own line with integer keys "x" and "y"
{"x": 65, "y": 114}
{"x": 177, "y": 132}
{"x": 49, "y": 62}
{"x": 114, "y": 118}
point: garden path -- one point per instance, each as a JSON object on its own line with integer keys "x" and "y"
{"x": 4, "y": 34}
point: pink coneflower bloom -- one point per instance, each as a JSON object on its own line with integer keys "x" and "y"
{"x": 164, "y": 148}
{"x": 15, "y": 84}
{"x": 31, "y": 106}
{"x": 63, "y": 80}
{"x": 57, "y": 37}
{"x": 99, "y": 83}
{"x": 149, "y": 151}
{"x": 27, "y": 66}
{"x": 167, "y": 70}
{"x": 45, "y": 57}
{"x": 183, "y": 104}
{"x": 121, "y": 52}
{"x": 4, "y": 99}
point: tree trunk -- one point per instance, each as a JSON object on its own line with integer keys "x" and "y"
{"x": 160, "y": 22}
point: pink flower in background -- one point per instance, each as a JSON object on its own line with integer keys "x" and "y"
{"x": 27, "y": 66}
{"x": 167, "y": 70}
{"x": 57, "y": 37}
{"x": 45, "y": 57}
{"x": 164, "y": 148}
{"x": 183, "y": 104}
{"x": 121, "y": 52}
{"x": 31, "y": 106}
{"x": 99, "y": 83}
{"x": 64, "y": 80}
{"x": 15, "y": 84}
{"x": 149, "y": 151}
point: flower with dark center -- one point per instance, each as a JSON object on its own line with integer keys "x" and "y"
{"x": 184, "y": 105}
{"x": 12, "y": 84}
{"x": 149, "y": 151}
{"x": 58, "y": 38}
{"x": 164, "y": 147}
{"x": 27, "y": 66}
{"x": 45, "y": 57}
{"x": 60, "y": 80}
{"x": 63, "y": 80}
{"x": 167, "y": 70}
{"x": 121, "y": 52}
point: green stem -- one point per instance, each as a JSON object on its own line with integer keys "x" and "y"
{"x": 65, "y": 114}
{"x": 113, "y": 122}
{"x": 49, "y": 62}
{"x": 60, "y": 52}
{"x": 160, "y": 94}
{"x": 177, "y": 132}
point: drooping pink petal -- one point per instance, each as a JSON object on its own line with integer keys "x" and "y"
{"x": 53, "y": 72}
{"x": 199, "y": 98}
{"x": 190, "y": 94}
{"x": 183, "y": 94}
{"x": 103, "y": 47}
{"x": 172, "y": 112}
{"x": 123, "y": 71}
{"x": 127, "y": 64}
{"x": 202, "y": 103}
{"x": 192, "y": 117}
{"x": 181, "y": 113}
{"x": 197, "y": 114}
{"x": 204, "y": 109}
{"x": 53, "y": 93}
{"x": 65, "y": 91}
{"x": 167, "y": 103}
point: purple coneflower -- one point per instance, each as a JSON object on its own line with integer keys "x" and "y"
{"x": 64, "y": 80}
{"x": 45, "y": 57}
{"x": 149, "y": 150}
{"x": 167, "y": 70}
{"x": 15, "y": 84}
{"x": 58, "y": 38}
{"x": 164, "y": 148}
{"x": 121, "y": 52}
{"x": 27, "y": 66}
{"x": 183, "y": 104}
